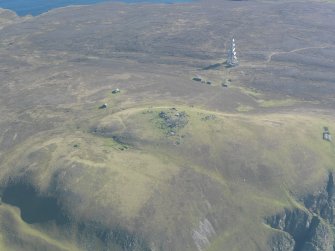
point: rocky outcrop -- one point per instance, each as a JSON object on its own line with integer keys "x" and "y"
{"x": 323, "y": 203}
{"x": 202, "y": 235}
{"x": 282, "y": 241}
{"x": 309, "y": 228}
{"x": 319, "y": 237}
{"x": 300, "y": 231}
{"x": 173, "y": 120}
{"x": 295, "y": 222}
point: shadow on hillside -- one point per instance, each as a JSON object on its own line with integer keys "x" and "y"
{"x": 34, "y": 207}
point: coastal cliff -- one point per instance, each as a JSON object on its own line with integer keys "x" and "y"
{"x": 309, "y": 228}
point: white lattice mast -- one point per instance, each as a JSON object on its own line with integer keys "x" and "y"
{"x": 232, "y": 57}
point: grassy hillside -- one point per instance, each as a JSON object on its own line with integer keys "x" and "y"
{"x": 162, "y": 179}
{"x": 171, "y": 163}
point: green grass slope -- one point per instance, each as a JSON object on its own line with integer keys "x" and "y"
{"x": 198, "y": 180}
{"x": 18, "y": 235}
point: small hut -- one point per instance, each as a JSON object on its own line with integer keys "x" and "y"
{"x": 326, "y": 134}
{"x": 117, "y": 90}
{"x": 104, "y": 106}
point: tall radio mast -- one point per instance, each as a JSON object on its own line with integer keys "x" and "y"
{"x": 232, "y": 57}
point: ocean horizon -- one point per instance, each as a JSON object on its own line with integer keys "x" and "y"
{"x": 37, "y": 7}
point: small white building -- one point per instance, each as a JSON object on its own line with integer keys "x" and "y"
{"x": 117, "y": 90}
{"x": 327, "y": 136}
{"x": 104, "y": 106}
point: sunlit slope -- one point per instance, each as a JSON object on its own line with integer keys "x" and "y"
{"x": 179, "y": 178}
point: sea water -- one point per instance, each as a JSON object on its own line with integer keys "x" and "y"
{"x": 36, "y": 7}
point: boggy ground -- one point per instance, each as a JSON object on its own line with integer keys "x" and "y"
{"x": 171, "y": 164}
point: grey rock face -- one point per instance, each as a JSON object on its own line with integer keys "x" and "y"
{"x": 202, "y": 234}
{"x": 295, "y": 222}
{"x": 319, "y": 237}
{"x": 323, "y": 203}
{"x": 306, "y": 230}
{"x": 282, "y": 241}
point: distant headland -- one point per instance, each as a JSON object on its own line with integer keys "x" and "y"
{"x": 37, "y": 7}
